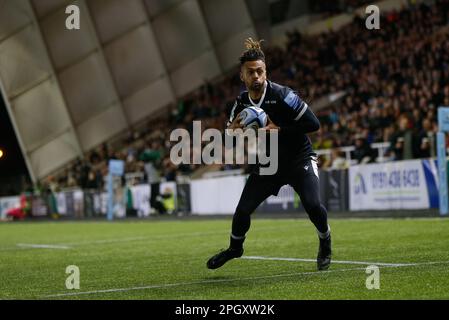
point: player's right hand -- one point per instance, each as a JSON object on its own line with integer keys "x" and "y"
{"x": 235, "y": 124}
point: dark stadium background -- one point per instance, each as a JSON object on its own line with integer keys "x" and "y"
{"x": 14, "y": 174}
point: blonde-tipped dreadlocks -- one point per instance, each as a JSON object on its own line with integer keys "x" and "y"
{"x": 251, "y": 44}
{"x": 253, "y": 51}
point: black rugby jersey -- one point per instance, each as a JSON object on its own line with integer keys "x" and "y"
{"x": 289, "y": 112}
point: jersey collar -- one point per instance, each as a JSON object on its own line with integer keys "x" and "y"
{"x": 261, "y": 98}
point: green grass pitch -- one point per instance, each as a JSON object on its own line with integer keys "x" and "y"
{"x": 166, "y": 259}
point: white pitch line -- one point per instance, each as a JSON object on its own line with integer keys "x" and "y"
{"x": 167, "y": 285}
{"x": 106, "y": 241}
{"x": 165, "y": 236}
{"x": 333, "y": 261}
{"x": 194, "y": 283}
{"x": 42, "y": 246}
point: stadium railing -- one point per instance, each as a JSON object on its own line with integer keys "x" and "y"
{"x": 381, "y": 148}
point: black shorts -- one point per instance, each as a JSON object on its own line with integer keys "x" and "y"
{"x": 292, "y": 176}
{"x": 303, "y": 177}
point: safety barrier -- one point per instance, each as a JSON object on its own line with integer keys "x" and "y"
{"x": 388, "y": 186}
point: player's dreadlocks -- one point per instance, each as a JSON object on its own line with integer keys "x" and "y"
{"x": 253, "y": 51}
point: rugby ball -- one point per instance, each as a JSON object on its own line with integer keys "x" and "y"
{"x": 253, "y": 117}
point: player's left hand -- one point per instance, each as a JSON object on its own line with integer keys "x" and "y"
{"x": 270, "y": 125}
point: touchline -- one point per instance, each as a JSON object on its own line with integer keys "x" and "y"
{"x": 188, "y": 149}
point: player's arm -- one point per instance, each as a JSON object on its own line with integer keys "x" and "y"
{"x": 302, "y": 119}
{"x": 307, "y": 123}
{"x": 234, "y": 120}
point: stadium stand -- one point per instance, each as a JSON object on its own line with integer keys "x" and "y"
{"x": 393, "y": 80}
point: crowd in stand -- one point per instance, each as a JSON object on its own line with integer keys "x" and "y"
{"x": 393, "y": 78}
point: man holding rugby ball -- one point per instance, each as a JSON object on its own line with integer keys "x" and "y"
{"x": 293, "y": 119}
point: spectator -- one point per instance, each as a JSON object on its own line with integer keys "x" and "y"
{"x": 151, "y": 157}
{"x": 363, "y": 152}
{"x": 402, "y": 141}
{"x": 338, "y": 160}
{"x": 92, "y": 182}
{"x": 426, "y": 141}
